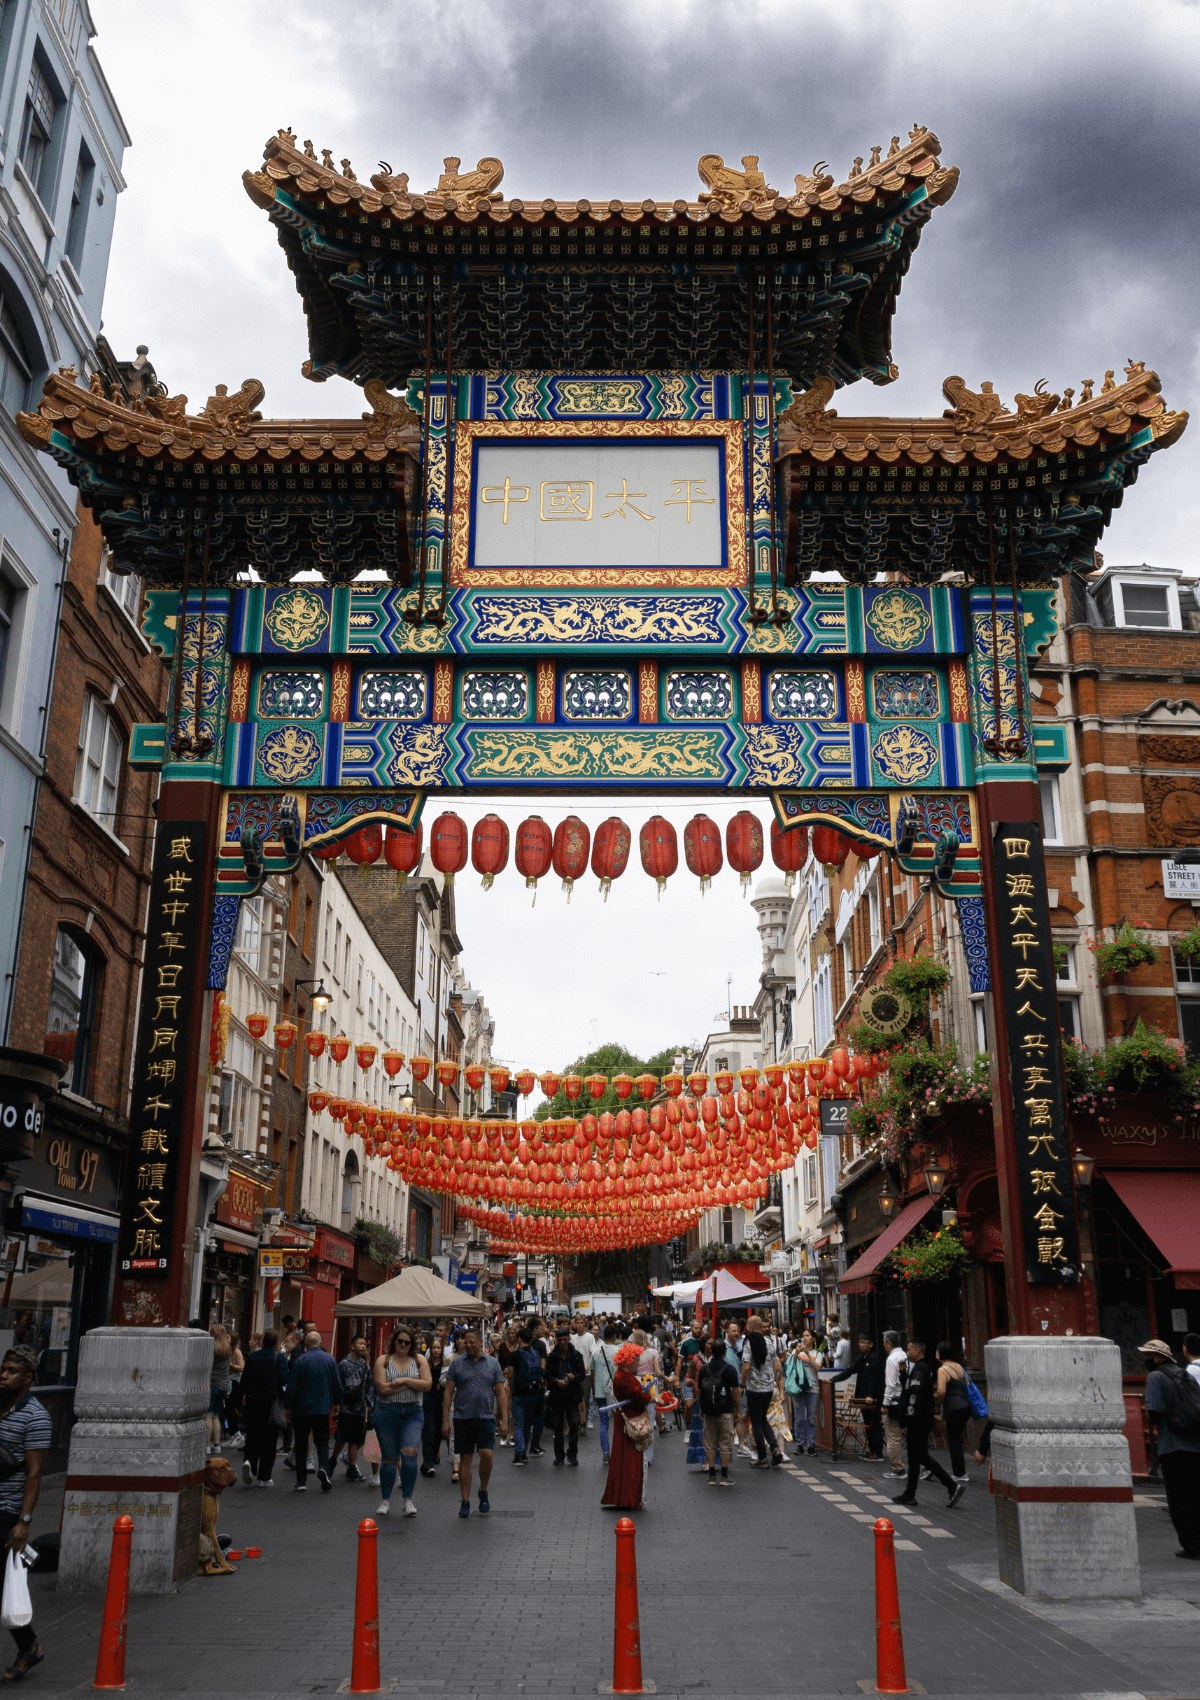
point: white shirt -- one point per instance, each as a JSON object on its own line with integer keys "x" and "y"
{"x": 585, "y": 1345}
{"x": 841, "y": 1356}
{"x": 1194, "y": 1369}
{"x": 896, "y": 1359}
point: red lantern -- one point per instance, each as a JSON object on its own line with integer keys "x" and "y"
{"x": 789, "y": 850}
{"x": 830, "y": 846}
{"x": 572, "y": 841}
{"x": 702, "y": 849}
{"x": 448, "y": 845}
{"x": 498, "y": 1075}
{"x": 402, "y": 852}
{"x": 622, "y": 1085}
{"x": 525, "y": 1081}
{"x": 327, "y": 852}
{"x": 447, "y": 1072}
{"x": 744, "y": 845}
{"x": 364, "y": 1055}
{"x": 257, "y": 1024}
{"x": 393, "y": 1062}
{"x": 647, "y": 1084}
{"x": 421, "y": 1067}
{"x": 489, "y": 848}
{"x": 673, "y": 1084}
{"x": 549, "y": 1083}
{"x": 697, "y": 1085}
{"x": 535, "y": 843}
{"x": 317, "y": 1102}
{"x": 659, "y": 850}
{"x": 285, "y": 1035}
{"x": 475, "y": 1075}
{"x": 572, "y": 1085}
{"x": 314, "y": 1043}
{"x": 338, "y": 1108}
{"x": 339, "y": 1048}
{"x": 366, "y": 845}
{"x": 610, "y": 852}
{"x": 597, "y": 1085}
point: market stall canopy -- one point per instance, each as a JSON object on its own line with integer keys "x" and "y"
{"x": 1167, "y": 1205}
{"x": 414, "y": 1292}
{"x": 857, "y": 1278}
{"x": 724, "y": 1288}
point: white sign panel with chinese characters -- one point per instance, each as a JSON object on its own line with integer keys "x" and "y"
{"x": 599, "y": 504}
{"x": 1181, "y": 879}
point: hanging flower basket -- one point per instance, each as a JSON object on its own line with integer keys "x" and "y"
{"x": 925, "y": 1258}
{"x": 1188, "y": 945}
{"x": 1126, "y": 950}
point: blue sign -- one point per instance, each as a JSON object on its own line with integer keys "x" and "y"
{"x": 468, "y": 1282}
{"x": 52, "y": 1223}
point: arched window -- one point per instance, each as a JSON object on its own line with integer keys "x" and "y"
{"x": 16, "y": 363}
{"x": 351, "y": 1190}
{"x": 74, "y": 982}
{"x": 98, "y": 764}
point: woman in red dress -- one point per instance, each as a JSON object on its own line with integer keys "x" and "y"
{"x": 623, "y": 1490}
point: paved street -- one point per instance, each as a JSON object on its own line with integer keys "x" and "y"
{"x": 764, "y": 1590}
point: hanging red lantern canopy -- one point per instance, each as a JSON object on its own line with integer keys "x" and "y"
{"x": 354, "y": 1111}
{"x": 339, "y": 1048}
{"x": 498, "y": 1075}
{"x": 610, "y": 852}
{"x": 317, "y": 1101}
{"x": 448, "y": 845}
{"x": 534, "y": 848}
{"x": 789, "y": 850}
{"x": 608, "y": 1123}
{"x": 314, "y": 1043}
{"x": 830, "y": 846}
{"x": 744, "y": 845}
{"x": 659, "y": 850}
{"x": 702, "y": 849}
{"x": 393, "y": 1062}
{"x": 364, "y": 1055}
{"x": 402, "y": 852}
{"x": 489, "y": 848}
{"x": 572, "y": 841}
{"x": 421, "y": 1067}
{"x": 285, "y": 1035}
{"x": 257, "y": 1023}
{"x": 773, "y": 1075}
{"x": 639, "y": 1122}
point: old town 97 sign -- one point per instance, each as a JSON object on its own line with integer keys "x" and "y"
{"x": 1048, "y": 1221}
{"x": 174, "y": 932}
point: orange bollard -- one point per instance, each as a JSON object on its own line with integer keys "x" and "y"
{"x": 627, "y": 1636}
{"x": 364, "y": 1659}
{"x": 110, "y": 1658}
{"x": 889, "y": 1638}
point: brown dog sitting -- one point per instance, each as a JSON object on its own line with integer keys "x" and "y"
{"x": 218, "y": 1475}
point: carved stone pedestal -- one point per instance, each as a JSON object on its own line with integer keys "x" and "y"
{"x": 1060, "y": 1468}
{"x": 137, "y": 1450}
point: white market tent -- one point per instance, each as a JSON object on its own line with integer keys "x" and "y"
{"x": 414, "y": 1292}
{"x": 724, "y": 1288}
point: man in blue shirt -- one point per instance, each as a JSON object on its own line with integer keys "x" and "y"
{"x": 472, "y": 1381}
{"x": 313, "y": 1395}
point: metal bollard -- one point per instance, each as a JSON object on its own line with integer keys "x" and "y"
{"x": 110, "y": 1657}
{"x": 889, "y": 1638}
{"x": 364, "y": 1658}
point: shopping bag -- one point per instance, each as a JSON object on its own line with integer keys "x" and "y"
{"x": 17, "y": 1608}
{"x": 777, "y": 1419}
{"x": 370, "y": 1448}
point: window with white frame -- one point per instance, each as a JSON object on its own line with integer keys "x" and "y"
{"x": 249, "y": 933}
{"x": 98, "y": 763}
{"x": 802, "y": 965}
{"x": 1146, "y": 602}
{"x": 1067, "y": 985}
{"x": 979, "y": 1016}
{"x": 810, "y": 1178}
{"x": 12, "y": 620}
{"x": 126, "y": 588}
{"x": 16, "y": 362}
{"x": 874, "y": 917}
{"x": 847, "y": 968}
{"x": 823, "y": 1002}
{"x": 37, "y": 129}
{"x": 1051, "y": 814}
{"x": 1187, "y": 992}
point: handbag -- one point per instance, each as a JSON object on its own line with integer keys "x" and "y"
{"x": 277, "y": 1414}
{"x": 978, "y": 1403}
{"x": 9, "y": 1463}
{"x": 638, "y": 1431}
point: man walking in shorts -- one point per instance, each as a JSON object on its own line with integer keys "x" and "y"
{"x": 472, "y": 1381}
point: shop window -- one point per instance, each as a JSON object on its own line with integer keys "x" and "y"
{"x": 98, "y": 763}
{"x": 16, "y": 363}
{"x": 37, "y": 129}
{"x": 1187, "y": 989}
{"x": 74, "y": 980}
{"x": 38, "y": 1302}
{"x": 1051, "y": 815}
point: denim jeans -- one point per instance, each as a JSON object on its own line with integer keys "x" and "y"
{"x": 524, "y": 1407}
{"x": 804, "y": 1417}
{"x": 604, "y": 1427}
{"x": 399, "y": 1429}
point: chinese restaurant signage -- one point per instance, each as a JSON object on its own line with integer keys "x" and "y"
{"x": 174, "y": 930}
{"x": 333, "y": 1250}
{"x": 1027, "y": 985}
{"x": 239, "y": 1202}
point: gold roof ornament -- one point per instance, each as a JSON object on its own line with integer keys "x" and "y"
{"x": 729, "y": 188}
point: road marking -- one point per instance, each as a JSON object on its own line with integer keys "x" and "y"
{"x": 939, "y": 1534}
{"x": 906, "y": 1546}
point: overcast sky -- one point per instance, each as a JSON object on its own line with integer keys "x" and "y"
{"x": 1070, "y": 246}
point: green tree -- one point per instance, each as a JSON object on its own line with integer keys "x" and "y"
{"x": 607, "y": 1060}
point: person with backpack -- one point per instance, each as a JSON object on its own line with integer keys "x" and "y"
{"x": 951, "y": 1389}
{"x": 718, "y": 1387}
{"x": 527, "y": 1389}
{"x": 1173, "y": 1402}
{"x": 916, "y": 1418}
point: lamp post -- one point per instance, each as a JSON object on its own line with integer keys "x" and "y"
{"x": 1084, "y": 1168}
{"x": 320, "y": 999}
{"x": 936, "y": 1176}
{"x": 889, "y": 1198}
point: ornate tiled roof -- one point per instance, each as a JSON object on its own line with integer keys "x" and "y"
{"x": 617, "y": 284}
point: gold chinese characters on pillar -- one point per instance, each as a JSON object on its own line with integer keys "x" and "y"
{"x": 1027, "y": 985}
{"x": 174, "y": 931}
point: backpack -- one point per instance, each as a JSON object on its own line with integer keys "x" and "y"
{"x": 527, "y": 1371}
{"x": 1183, "y": 1416}
{"x": 714, "y": 1393}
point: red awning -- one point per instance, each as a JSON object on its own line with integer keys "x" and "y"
{"x": 857, "y": 1278}
{"x": 1167, "y": 1204}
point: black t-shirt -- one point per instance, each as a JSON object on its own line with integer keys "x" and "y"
{"x": 718, "y": 1385}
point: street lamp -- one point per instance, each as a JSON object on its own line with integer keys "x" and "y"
{"x": 320, "y": 999}
{"x": 889, "y": 1198}
{"x": 936, "y": 1176}
{"x": 1084, "y": 1167}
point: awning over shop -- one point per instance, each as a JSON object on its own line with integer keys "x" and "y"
{"x": 54, "y": 1218}
{"x": 1166, "y": 1202}
{"x": 857, "y": 1278}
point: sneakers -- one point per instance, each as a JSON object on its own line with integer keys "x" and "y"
{"x": 267, "y": 1483}
{"x": 239, "y": 1439}
{"x": 520, "y": 1459}
{"x": 776, "y": 1460}
{"x": 712, "y": 1477}
{"x": 926, "y": 1475}
{"x": 903, "y": 1499}
{"x": 959, "y": 1489}
{"x": 963, "y": 1478}
{"x": 558, "y": 1463}
{"x": 726, "y": 1479}
{"x": 382, "y": 1509}
{"x": 464, "y": 1509}
{"x": 289, "y": 1463}
{"x": 353, "y": 1474}
{"x": 745, "y": 1452}
{"x": 428, "y": 1470}
{"x": 300, "y": 1487}
{"x": 323, "y": 1478}
{"x": 485, "y": 1504}
{"x": 571, "y": 1460}
{"x": 537, "y": 1452}
{"x": 247, "y": 1475}
{"x": 410, "y": 1509}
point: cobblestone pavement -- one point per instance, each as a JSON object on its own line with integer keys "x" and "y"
{"x": 762, "y": 1590}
